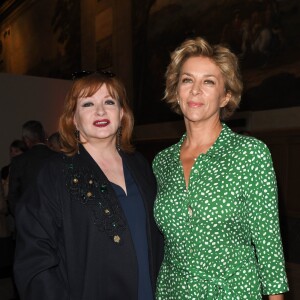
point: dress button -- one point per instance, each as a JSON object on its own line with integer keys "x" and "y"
{"x": 190, "y": 211}
{"x": 103, "y": 188}
{"x": 117, "y": 239}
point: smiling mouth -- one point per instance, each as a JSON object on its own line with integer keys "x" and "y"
{"x": 101, "y": 123}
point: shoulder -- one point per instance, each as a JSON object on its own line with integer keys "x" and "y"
{"x": 249, "y": 148}
{"x": 36, "y": 153}
{"x": 40, "y": 150}
{"x": 55, "y": 164}
{"x": 18, "y": 164}
{"x": 134, "y": 156}
{"x": 165, "y": 155}
{"x": 248, "y": 143}
{"x": 135, "y": 160}
{"x": 141, "y": 170}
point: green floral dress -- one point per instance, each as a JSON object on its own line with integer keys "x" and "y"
{"x": 222, "y": 237}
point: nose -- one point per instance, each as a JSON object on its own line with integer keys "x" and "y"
{"x": 195, "y": 90}
{"x": 100, "y": 111}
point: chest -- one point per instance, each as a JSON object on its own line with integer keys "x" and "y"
{"x": 215, "y": 193}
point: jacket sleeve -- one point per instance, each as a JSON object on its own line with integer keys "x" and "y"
{"x": 14, "y": 185}
{"x": 38, "y": 268}
{"x": 262, "y": 201}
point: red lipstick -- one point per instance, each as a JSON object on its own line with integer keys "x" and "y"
{"x": 101, "y": 123}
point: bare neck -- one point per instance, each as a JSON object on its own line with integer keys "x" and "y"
{"x": 202, "y": 135}
{"x": 102, "y": 151}
{"x": 109, "y": 160}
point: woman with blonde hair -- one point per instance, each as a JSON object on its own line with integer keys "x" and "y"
{"x": 217, "y": 196}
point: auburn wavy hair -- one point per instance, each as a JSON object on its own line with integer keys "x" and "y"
{"x": 87, "y": 86}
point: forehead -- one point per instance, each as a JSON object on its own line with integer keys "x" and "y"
{"x": 200, "y": 64}
{"x": 101, "y": 94}
{"x": 90, "y": 90}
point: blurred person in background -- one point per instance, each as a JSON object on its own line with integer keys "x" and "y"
{"x": 25, "y": 167}
{"x": 54, "y": 142}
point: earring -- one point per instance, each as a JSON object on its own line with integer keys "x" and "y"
{"x": 77, "y": 137}
{"x": 119, "y": 135}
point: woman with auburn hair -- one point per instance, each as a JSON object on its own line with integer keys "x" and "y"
{"x": 217, "y": 197}
{"x": 85, "y": 229}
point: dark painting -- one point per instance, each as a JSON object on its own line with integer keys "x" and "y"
{"x": 264, "y": 34}
{"x": 104, "y": 53}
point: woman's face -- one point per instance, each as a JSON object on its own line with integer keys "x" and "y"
{"x": 13, "y": 151}
{"x": 201, "y": 90}
{"x": 98, "y": 117}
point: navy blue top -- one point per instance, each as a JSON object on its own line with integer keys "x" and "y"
{"x": 134, "y": 210}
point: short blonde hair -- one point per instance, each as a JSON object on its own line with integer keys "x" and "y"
{"x": 86, "y": 87}
{"x": 221, "y": 56}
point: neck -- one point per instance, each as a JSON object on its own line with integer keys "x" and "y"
{"x": 102, "y": 150}
{"x": 106, "y": 156}
{"x": 201, "y": 135}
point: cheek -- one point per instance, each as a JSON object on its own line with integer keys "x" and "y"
{"x": 181, "y": 91}
{"x": 181, "y": 96}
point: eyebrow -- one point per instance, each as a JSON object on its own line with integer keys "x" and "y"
{"x": 185, "y": 73}
{"x": 91, "y": 97}
{"x": 205, "y": 75}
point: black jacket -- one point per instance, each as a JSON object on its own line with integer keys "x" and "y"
{"x": 23, "y": 171}
{"x": 73, "y": 241}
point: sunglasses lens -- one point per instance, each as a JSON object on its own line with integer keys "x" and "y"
{"x": 81, "y": 74}
{"x": 107, "y": 73}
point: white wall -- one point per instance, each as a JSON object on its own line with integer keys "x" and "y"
{"x": 284, "y": 118}
{"x": 24, "y": 98}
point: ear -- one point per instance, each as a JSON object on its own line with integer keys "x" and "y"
{"x": 226, "y": 99}
{"x": 74, "y": 121}
{"x": 121, "y": 113}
